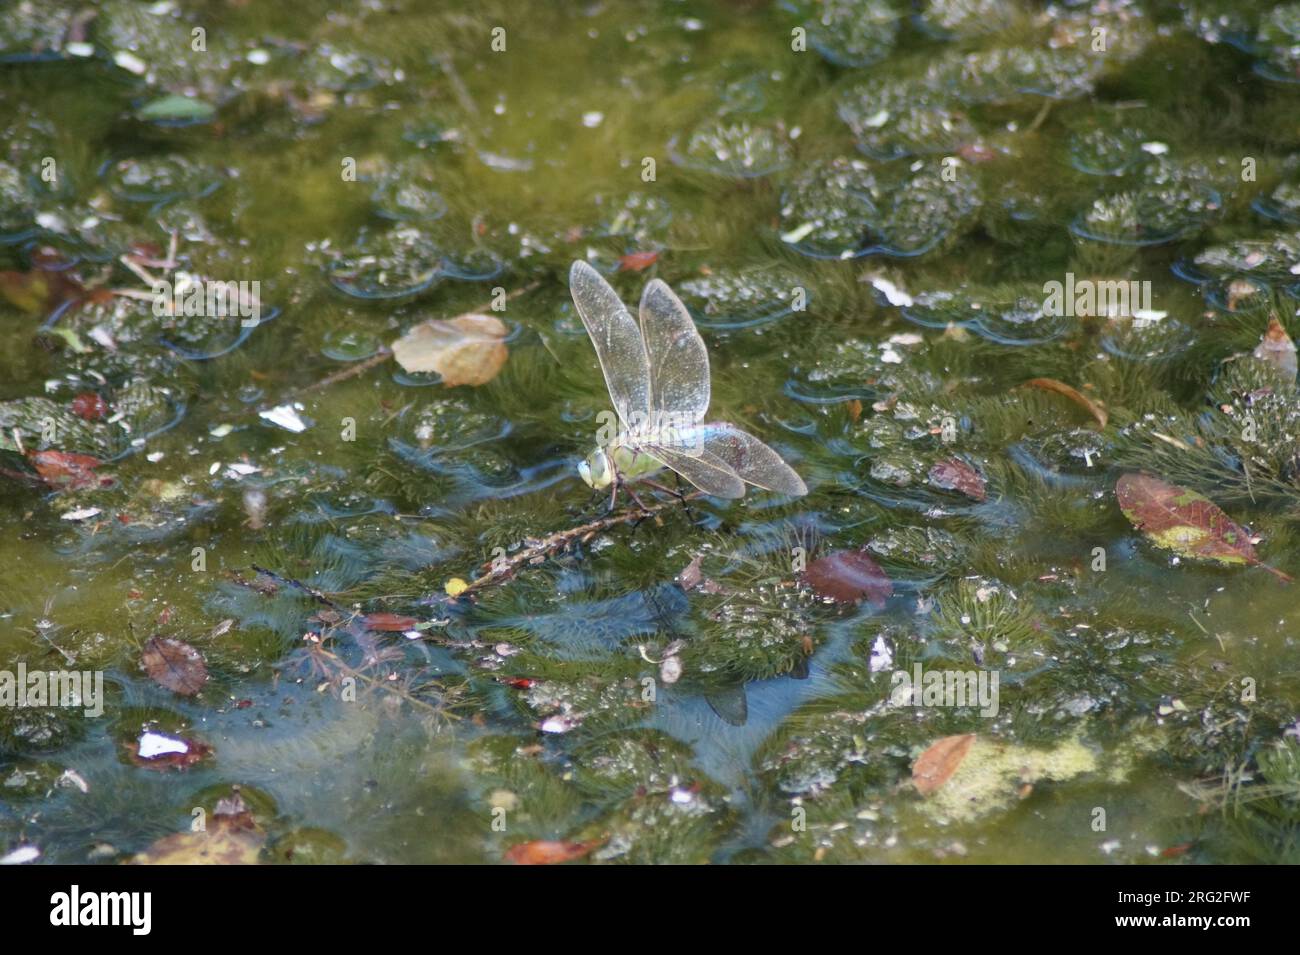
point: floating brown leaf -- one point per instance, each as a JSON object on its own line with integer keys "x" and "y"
{"x": 231, "y": 838}
{"x": 637, "y": 261}
{"x": 389, "y": 622}
{"x": 1084, "y": 402}
{"x": 847, "y": 576}
{"x": 63, "y": 469}
{"x": 1185, "y": 522}
{"x": 1277, "y": 349}
{"x": 90, "y": 406}
{"x": 547, "y": 852}
{"x": 465, "y": 350}
{"x": 936, "y": 765}
{"x": 175, "y": 665}
{"x": 956, "y": 475}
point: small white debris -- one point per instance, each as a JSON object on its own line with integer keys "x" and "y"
{"x": 153, "y": 457}
{"x": 153, "y": 745}
{"x": 72, "y": 779}
{"x": 81, "y": 50}
{"x": 876, "y": 120}
{"x": 1155, "y": 149}
{"x": 221, "y": 430}
{"x": 882, "y": 656}
{"x": 682, "y": 797}
{"x": 557, "y": 724}
{"x": 258, "y": 57}
{"x": 51, "y": 222}
{"x": 240, "y": 469}
{"x": 80, "y": 514}
{"x": 287, "y": 417}
{"x": 798, "y": 234}
{"x": 130, "y": 62}
{"x": 670, "y": 671}
{"x": 893, "y": 294}
{"x": 103, "y": 337}
{"x": 906, "y": 338}
{"x": 592, "y": 119}
{"x": 216, "y": 466}
{"x": 21, "y": 855}
{"x": 889, "y": 356}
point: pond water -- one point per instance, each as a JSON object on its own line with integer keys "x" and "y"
{"x": 333, "y": 599}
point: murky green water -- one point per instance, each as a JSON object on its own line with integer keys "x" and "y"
{"x": 861, "y": 208}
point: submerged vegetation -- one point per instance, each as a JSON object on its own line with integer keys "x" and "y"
{"x": 293, "y": 393}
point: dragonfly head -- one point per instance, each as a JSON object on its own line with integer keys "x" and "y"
{"x": 597, "y": 470}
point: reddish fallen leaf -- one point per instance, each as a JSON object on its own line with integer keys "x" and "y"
{"x": 175, "y": 665}
{"x": 936, "y": 765}
{"x": 847, "y": 576}
{"x": 389, "y": 622}
{"x": 64, "y": 469}
{"x": 1277, "y": 349}
{"x": 89, "y": 406}
{"x": 521, "y": 682}
{"x": 976, "y": 153}
{"x": 956, "y": 475}
{"x": 547, "y": 852}
{"x": 38, "y": 292}
{"x": 1185, "y": 522}
{"x": 691, "y": 575}
{"x": 1173, "y": 852}
{"x": 637, "y": 261}
{"x": 1084, "y": 402}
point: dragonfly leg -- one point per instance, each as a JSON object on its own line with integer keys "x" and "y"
{"x": 677, "y": 493}
{"x": 639, "y": 503}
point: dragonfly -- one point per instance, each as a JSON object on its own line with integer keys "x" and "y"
{"x": 657, "y": 374}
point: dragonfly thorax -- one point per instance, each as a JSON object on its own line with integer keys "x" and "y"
{"x": 620, "y": 461}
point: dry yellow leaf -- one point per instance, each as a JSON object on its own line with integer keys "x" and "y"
{"x": 936, "y": 765}
{"x": 465, "y": 350}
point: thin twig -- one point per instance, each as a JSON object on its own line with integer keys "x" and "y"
{"x": 537, "y": 551}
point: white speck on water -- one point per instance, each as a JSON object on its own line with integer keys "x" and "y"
{"x": 152, "y": 745}
{"x": 592, "y": 119}
{"x": 893, "y": 294}
{"x": 21, "y": 855}
{"x": 287, "y": 417}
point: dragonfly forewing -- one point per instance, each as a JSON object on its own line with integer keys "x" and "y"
{"x": 619, "y": 345}
{"x": 679, "y": 361}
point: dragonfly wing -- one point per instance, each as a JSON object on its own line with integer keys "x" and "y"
{"x": 679, "y": 362}
{"x": 707, "y": 472}
{"x": 751, "y": 459}
{"x": 618, "y": 342}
